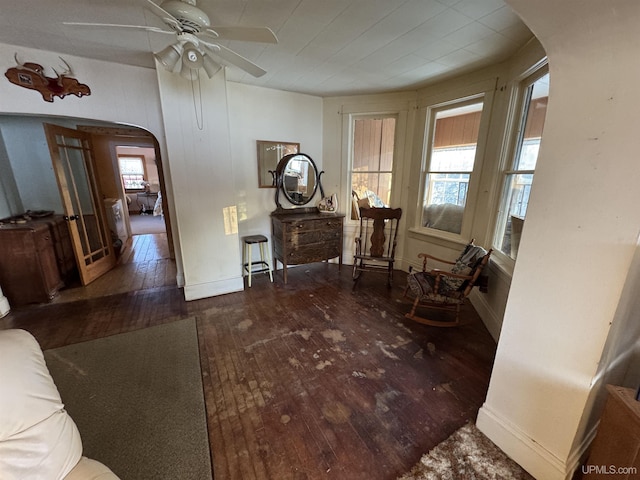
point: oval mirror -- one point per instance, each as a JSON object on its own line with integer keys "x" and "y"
{"x": 299, "y": 178}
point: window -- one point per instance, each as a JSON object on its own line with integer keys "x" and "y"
{"x": 518, "y": 175}
{"x": 132, "y": 171}
{"x": 372, "y": 160}
{"x": 453, "y": 133}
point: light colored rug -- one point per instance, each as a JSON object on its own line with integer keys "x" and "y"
{"x": 138, "y": 402}
{"x": 468, "y": 455}
{"x": 147, "y": 224}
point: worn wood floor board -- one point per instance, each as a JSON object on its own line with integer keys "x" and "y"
{"x": 309, "y": 380}
{"x": 296, "y": 454}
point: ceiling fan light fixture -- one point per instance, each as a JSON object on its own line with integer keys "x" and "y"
{"x": 192, "y": 58}
{"x": 210, "y": 66}
{"x": 169, "y": 57}
{"x": 188, "y": 73}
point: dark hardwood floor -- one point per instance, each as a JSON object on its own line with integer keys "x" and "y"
{"x": 307, "y": 380}
{"x": 144, "y": 263}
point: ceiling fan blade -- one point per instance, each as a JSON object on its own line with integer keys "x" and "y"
{"x": 164, "y": 15}
{"x": 113, "y": 25}
{"x": 236, "y": 59}
{"x": 245, "y": 34}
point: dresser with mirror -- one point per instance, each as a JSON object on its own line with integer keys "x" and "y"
{"x": 300, "y": 233}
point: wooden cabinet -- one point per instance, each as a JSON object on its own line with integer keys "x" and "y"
{"x": 299, "y": 238}
{"x": 65, "y": 258}
{"x": 615, "y": 452}
{"x": 35, "y": 257}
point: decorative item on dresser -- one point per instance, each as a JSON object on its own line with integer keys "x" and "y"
{"x": 302, "y": 234}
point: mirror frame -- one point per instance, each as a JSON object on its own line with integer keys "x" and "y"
{"x": 269, "y": 155}
{"x": 279, "y": 178}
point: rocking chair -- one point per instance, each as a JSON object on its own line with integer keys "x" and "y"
{"x": 446, "y": 289}
{"x": 376, "y": 244}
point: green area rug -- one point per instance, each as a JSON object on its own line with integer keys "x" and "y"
{"x": 138, "y": 402}
{"x": 469, "y": 455}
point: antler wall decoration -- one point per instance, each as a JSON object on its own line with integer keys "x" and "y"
{"x": 31, "y": 76}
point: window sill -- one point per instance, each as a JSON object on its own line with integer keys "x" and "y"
{"x": 502, "y": 264}
{"x": 439, "y": 237}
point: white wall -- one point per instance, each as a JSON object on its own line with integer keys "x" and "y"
{"x": 27, "y": 152}
{"x": 10, "y": 203}
{"x": 119, "y": 93}
{"x": 579, "y": 241}
{"x": 215, "y": 167}
{"x": 202, "y": 175}
{"x": 257, "y": 113}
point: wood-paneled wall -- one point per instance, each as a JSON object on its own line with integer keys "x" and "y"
{"x": 457, "y": 131}
{"x": 463, "y": 129}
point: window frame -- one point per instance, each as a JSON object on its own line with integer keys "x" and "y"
{"x": 432, "y": 110}
{"x": 143, "y": 160}
{"x": 514, "y": 138}
{"x": 353, "y": 117}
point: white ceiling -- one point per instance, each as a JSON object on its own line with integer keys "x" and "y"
{"x": 326, "y": 47}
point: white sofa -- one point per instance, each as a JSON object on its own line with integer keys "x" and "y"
{"x": 38, "y": 439}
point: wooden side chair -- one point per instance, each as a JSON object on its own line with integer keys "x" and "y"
{"x": 376, "y": 243}
{"x": 437, "y": 288}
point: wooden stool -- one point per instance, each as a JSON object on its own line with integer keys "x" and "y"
{"x": 247, "y": 258}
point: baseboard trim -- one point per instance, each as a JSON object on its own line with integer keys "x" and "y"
{"x": 212, "y": 289}
{"x": 579, "y": 455}
{"x": 531, "y": 456}
{"x": 487, "y": 314}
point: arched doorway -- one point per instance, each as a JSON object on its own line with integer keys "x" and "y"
{"x": 32, "y": 186}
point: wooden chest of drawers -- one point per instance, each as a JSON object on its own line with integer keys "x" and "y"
{"x": 35, "y": 260}
{"x": 299, "y": 238}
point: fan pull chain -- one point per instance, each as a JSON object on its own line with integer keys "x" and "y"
{"x": 200, "y": 120}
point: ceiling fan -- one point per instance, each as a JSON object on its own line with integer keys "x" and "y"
{"x": 196, "y": 39}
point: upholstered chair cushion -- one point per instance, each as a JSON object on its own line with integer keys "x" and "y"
{"x": 88, "y": 469}
{"x": 38, "y": 439}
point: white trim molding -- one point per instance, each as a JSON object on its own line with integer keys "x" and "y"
{"x": 528, "y": 453}
{"x": 211, "y": 289}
